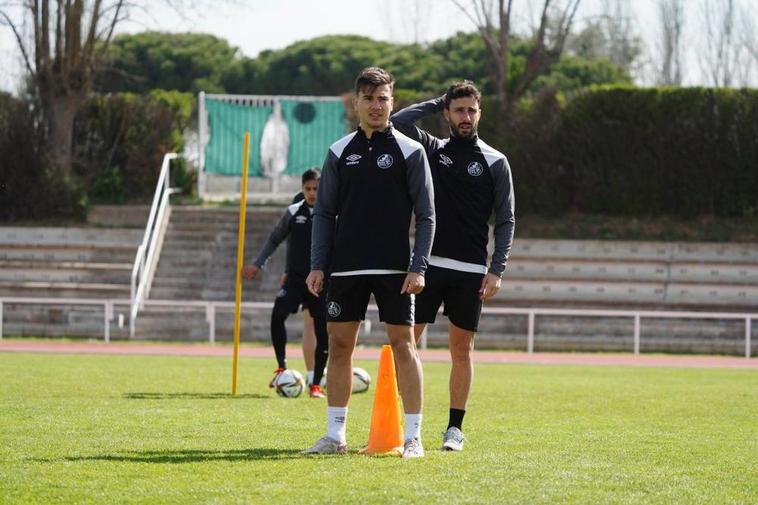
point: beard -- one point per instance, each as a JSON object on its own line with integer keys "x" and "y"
{"x": 455, "y": 130}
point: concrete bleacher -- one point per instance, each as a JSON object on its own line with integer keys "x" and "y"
{"x": 65, "y": 262}
{"x": 544, "y": 273}
{"x": 632, "y": 274}
{"x": 198, "y": 262}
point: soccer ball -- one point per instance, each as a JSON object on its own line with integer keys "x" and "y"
{"x": 361, "y": 380}
{"x": 289, "y": 384}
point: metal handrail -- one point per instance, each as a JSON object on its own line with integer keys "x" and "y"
{"x": 148, "y": 251}
{"x": 531, "y": 313}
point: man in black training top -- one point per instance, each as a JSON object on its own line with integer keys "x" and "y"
{"x": 309, "y": 334}
{"x": 471, "y": 180}
{"x": 295, "y": 224}
{"x": 373, "y": 179}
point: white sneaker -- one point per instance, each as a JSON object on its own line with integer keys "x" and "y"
{"x": 452, "y": 439}
{"x": 413, "y": 448}
{"x": 326, "y": 445}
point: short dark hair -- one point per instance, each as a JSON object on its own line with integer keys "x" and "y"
{"x": 311, "y": 174}
{"x": 460, "y": 90}
{"x": 371, "y": 78}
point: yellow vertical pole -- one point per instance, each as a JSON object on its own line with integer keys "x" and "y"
{"x": 240, "y": 260}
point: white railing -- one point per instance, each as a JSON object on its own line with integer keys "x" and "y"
{"x": 637, "y": 316}
{"x": 107, "y": 308}
{"x": 148, "y": 251}
{"x": 211, "y": 307}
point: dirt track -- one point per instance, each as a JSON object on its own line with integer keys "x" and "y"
{"x": 646, "y": 360}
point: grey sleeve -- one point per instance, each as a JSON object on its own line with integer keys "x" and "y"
{"x": 404, "y": 120}
{"x": 421, "y": 192}
{"x": 280, "y": 232}
{"x": 505, "y": 219}
{"x": 325, "y": 213}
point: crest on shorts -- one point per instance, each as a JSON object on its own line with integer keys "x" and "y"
{"x": 475, "y": 169}
{"x": 384, "y": 161}
{"x": 334, "y": 309}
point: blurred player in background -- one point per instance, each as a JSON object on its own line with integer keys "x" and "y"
{"x": 296, "y": 224}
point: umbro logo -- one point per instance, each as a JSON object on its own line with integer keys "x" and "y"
{"x": 445, "y": 160}
{"x": 301, "y": 219}
{"x": 353, "y": 159}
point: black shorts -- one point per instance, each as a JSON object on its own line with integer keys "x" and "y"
{"x": 294, "y": 294}
{"x": 458, "y": 290}
{"x": 348, "y": 296}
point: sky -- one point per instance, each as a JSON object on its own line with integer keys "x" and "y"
{"x": 256, "y": 25}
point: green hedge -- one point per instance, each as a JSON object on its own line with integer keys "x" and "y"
{"x": 613, "y": 150}
{"x": 629, "y": 151}
{"x": 120, "y": 141}
{"x": 677, "y": 151}
{"x": 27, "y": 189}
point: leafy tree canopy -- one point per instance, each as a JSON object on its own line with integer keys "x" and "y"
{"x": 173, "y": 61}
{"x": 325, "y": 65}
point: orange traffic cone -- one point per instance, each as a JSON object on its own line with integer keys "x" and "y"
{"x": 386, "y": 434}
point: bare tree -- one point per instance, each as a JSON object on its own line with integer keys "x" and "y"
{"x": 750, "y": 42}
{"x": 66, "y": 47}
{"x": 624, "y": 45}
{"x": 63, "y": 45}
{"x": 546, "y": 43}
{"x": 611, "y": 35}
{"x": 724, "y": 58}
{"x": 408, "y": 20}
{"x": 670, "y": 68}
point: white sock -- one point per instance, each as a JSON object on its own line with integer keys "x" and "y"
{"x": 336, "y": 418}
{"x": 309, "y": 378}
{"x": 412, "y": 426}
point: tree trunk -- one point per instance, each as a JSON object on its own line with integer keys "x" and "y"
{"x": 61, "y": 114}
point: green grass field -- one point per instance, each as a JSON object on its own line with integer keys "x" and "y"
{"x": 115, "y": 429}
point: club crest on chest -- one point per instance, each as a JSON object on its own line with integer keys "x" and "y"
{"x": 384, "y": 161}
{"x": 475, "y": 169}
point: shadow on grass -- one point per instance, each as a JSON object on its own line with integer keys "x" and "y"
{"x": 195, "y": 396}
{"x": 193, "y": 456}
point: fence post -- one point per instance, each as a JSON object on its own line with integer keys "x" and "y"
{"x": 1, "y": 320}
{"x": 636, "y": 334}
{"x": 530, "y": 337}
{"x": 423, "y": 343}
{"x": 210, "y": 317}
{"x": 748, "y": 343}
{"x": 108, "y": 309}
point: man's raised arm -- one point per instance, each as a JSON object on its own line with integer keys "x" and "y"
{"x": 404, "y": 120}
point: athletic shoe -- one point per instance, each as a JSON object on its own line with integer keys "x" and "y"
{"x": 452, "y": 439}
{"x": 317, "y": 392}
{"x": 413, "y": 448}
{"x": 276, "y": 376}
{"x": 326, "y": 445}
